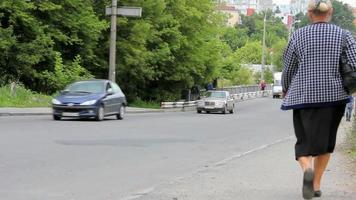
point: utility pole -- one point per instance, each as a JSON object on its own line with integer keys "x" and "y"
{"x": 113, "y": 30}
{"x": 264, "y": 47}
{"x": 114, "y": 11}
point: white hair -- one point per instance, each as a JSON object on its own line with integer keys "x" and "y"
{"x": 320, "y": 5}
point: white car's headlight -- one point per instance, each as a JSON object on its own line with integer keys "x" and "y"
{"x": 200, "y": 103}
{"x": 220, "y": 103}
{"x": 88, "y": 103}
{"x": 56, "y": 102}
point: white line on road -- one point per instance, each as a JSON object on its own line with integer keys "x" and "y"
{"x": 223, "y": 162}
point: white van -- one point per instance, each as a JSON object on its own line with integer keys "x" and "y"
{"x": 277, "y": 85}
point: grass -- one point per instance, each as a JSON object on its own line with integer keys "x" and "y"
{"x": 145, "y": 104}
{"x": 22, "y": 98}
{"x": 25, "y": 98}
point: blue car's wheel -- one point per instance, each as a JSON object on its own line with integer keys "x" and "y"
{"x": 56, "y": 117}
{"x": 100, "y": 114}
{"x": 121, "y": 114}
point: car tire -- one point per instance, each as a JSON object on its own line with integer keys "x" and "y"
{"x": 121, "y": 114}
{"x": 100, "y": 114}
{"x": 56, "y": 117}
{"x": 224, "y": 110}
{"x": 207, "y": 112}
{"x": 232, "y": 110}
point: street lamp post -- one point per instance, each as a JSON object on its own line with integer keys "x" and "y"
{"x": 113, "y": 30}
{"x": 114, "y": 11}
{"x": 264, "y": 47}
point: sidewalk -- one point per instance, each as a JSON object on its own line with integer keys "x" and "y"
{"x": 48, "y": 111}
{"x": 267, "y": 174}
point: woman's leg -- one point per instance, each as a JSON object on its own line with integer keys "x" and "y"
{"x": 320, "y": 164}
{"x": 305, "y": 162}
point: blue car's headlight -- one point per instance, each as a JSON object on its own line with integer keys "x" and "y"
{"x": 56, "y": 102}
{"x": 88, "y": 103}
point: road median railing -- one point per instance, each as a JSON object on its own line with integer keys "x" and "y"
{"x": 191, "y": 105}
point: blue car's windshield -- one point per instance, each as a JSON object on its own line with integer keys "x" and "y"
{"x": 87, "y": 87}
{"x": 216, "y": 94}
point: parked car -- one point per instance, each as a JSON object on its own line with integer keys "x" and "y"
{"x": 90, "y": 99}
{"x": 216, "y": 101}
{"x": 277, "y": 85}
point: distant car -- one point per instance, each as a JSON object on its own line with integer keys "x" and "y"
{"x": 90, "y": 99}
{"x": 216, "y": 101}
{"x": 277, "y": 85}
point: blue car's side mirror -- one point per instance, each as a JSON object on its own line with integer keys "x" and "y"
{"x": 63, "y": 91}
{"x": 110, "y": 91}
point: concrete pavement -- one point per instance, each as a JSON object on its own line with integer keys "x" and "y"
{"x": 266, "y": 173}
{"x": 159, "y": 156}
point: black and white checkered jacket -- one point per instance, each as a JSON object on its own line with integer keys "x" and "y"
{"x": 311, "y": 75}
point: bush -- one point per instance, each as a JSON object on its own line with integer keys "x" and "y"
{"x": 22, "y": 98}
{"x": 145, "y": 104}
{"x": 64, "y": 74}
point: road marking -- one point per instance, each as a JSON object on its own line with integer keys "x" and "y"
{"x": 233, "y": 157}
{"x": 140, "y": 193}
{"x": 218, "y": 164}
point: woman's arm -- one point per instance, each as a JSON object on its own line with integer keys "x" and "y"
{"x": 290, "y": 65}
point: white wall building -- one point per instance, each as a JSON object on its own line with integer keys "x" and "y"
{"x": 232, "y": 14}
{"x": 244, "y": 5}
{"x": 298, "y": 6}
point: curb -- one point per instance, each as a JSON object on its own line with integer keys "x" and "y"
{"x": 14, "y": 114}
{"x": 22, "y": 114}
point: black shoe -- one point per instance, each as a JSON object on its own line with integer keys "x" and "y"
{"x": 308, "y": 189}
{"x": 317, "y": 193}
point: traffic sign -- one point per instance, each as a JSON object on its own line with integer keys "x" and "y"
{"x": 126, "y": 11}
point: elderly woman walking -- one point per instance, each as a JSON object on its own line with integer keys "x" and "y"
{"x": 313, "y": 89}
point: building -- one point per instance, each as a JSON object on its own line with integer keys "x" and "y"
{"x": 285, "y": 8}
{"x": 248, "y": 7}
{"x": 287, "y": 19}
{"x": 265, "y": 5}
{"x": 232, "y": 13}
{"x": 298, "y": 6}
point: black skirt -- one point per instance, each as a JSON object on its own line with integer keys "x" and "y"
{"x": 316, "y": 130}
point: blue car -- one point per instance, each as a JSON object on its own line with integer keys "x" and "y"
{"x": 90, "y": 99}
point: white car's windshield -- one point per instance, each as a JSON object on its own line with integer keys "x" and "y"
{"x": 216, "y": 94}
{"x": 87, "y": 87}
{"x": 277, "y": 82}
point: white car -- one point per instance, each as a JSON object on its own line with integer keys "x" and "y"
{"x": 277, "y": 91}
{"x": 216, "y": 101}
{"x": 277, "y": 85}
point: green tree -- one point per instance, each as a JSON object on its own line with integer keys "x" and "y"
{"x": 174, "y": 46}
{"x": 342, "y": 16}
{"x": 268, "y": 75}
{"x": 251, "y": 53}
{"x": 235, "y": 37}
{"x": 277, "y": 55}
{"x": 33, "y": 31}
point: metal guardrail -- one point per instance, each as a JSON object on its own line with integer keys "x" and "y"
{"x": 179, "y": 104}
{"x": 244, "y": 89}
{"x": 237, "y": 97}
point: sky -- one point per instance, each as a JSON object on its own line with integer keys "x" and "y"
{"x": 351, "y": 2}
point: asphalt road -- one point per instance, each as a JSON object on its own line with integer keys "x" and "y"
{"x": 41, "y": 159}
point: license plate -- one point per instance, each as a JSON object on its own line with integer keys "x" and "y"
{"x": 209, "y": 107}
{"x": 212, "y": 104}
{"x": 69, "y": 114}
